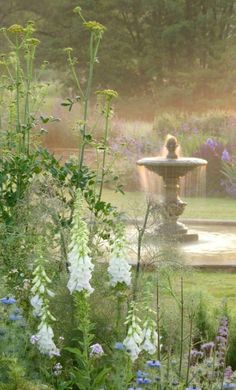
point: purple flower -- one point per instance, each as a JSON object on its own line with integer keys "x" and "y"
{"x": 7, "y": 301}
{"x": 207, "y": 347}
{"x": 225, "y": 156}
{"x": 211, "y": 143}
{"x": 96, "y": 350}
{"x": 228, "y": 373}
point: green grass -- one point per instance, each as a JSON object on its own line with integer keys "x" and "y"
{"x": 199, "y": 208}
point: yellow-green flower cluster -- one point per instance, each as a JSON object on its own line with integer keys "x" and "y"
{"x": 108, "y": 93}
{"x": 95, "y": 27}
{"x": 16, "y": 29}
{"x": 32, "y": 41}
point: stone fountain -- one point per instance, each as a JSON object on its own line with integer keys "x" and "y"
{"x": 171, "y": 168}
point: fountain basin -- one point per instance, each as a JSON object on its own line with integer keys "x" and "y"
{"x": 171, "y": 168}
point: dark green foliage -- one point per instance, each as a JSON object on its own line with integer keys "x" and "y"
{"x": 180, "y": 53}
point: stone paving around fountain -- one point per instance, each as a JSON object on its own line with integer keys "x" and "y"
{"x": 215, "y": 249}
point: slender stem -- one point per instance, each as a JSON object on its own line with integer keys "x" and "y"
{"x": 18, "y": 125}
{"x": 181, "y": 327}
{"x": 86, "y": 98}
{"x": 158, "y": 319}
{"x": 108, "y": 107}
{"x": 141, "y": 232}
{"x": 189, "y": 349}
{"x": 75, "y": 76}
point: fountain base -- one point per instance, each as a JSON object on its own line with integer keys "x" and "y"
{"x": 175, "y": 231}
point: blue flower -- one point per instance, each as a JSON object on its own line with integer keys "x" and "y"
{"x": 7, "y": 301}
{"x": 193, "y": 388}
{"x": 141, "y": 374}
{"x": 119, "y": 346}
{"x": 134, "y": 388}
{"x": 143, "y": 381}
{"x": 229, "y": 386}
{"x": 15, "y": 317}
{"x": 154, "y": 363}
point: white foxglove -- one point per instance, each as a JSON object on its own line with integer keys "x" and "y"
{"x": 81, "y": 266}
{"x": 37, "y": 304}
{"x": 150, "y": 340}
{"x": 134, "y": 337}
{"x": 39, "y": 300}
{"x": 119, "y": 269}
{"x": 45, "y": 341}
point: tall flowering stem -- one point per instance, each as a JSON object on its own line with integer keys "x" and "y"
{"x": 40, "y": 302}
{"x": 119, "y": 271}
{"x": 96, "y": 32}
{"x": 134, "y": 338}
{"x": 81, "y": 266}
{"x": 107, "y": 95}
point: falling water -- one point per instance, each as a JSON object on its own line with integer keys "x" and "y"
{"x": 194, "y": 183}
{"x": 150, "y": 183}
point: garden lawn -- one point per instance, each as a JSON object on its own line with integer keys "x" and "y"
{"x": 197, "y": 208}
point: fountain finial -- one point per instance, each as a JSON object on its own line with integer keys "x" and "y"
{"x": 171, "y": 145}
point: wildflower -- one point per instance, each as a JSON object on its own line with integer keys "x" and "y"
{"x": 228, "y": 373}
{"x": 108, "y": 93}
{"x": 119, "y": 346}
{"x": 15, "y": 317}
{"x": 143, "y": 381}
{"x": 81, "y": 266}
{"x": 45, "y": 341}
{"x": 225, "y": 156}
{"x": 229, "y": 386}
{"x": 193, "y": 387}
{"x": 207, "y": 347}
{"x": 95, "y": 27}
{"x": 33, "y": 41}
{"x": 77, "y": 10}
{"x": 134, "y": 336}
{"x": 40, "y": 303}
{"x": 16, "y": 29}
{"x": 68, "y": 49}
{"x": 150, "y": 339}
{"x": 119, "y": 269}
{"x": 57, "y": 369}
{"x": 7, "y": 301}
{"x": 37, "y": 303}
{"x": 96, "y": 350}
{"x": 154, "y": 363}
{"x": 211, "y": 143}
{"x": 34, "y": 339}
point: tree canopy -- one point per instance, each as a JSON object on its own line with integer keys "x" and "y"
{"x": 176, "y": 52}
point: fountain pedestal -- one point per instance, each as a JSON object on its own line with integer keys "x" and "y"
{"x": 171, "y": 169}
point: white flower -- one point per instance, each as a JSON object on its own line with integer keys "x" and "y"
{"x": 150, "y": 340}
{"x": 80, "y": 272}
{"x": 133, "y": 341}
{"x": 37, "y": 304}
{"x": 81, "y": 266}
{"x": 134, "y": 336}
{"x": 45, "y": 340}
{"x": 119, "y": 271}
